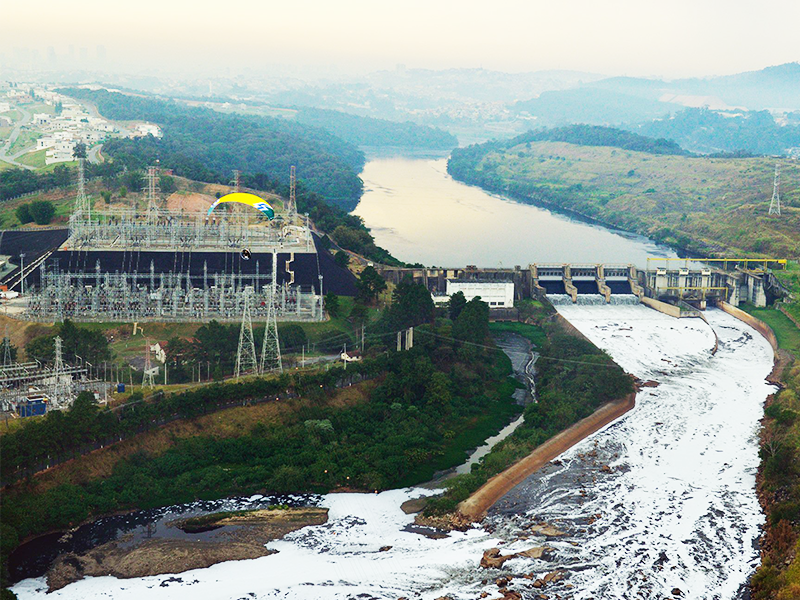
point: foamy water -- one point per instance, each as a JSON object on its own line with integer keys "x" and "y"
{"x": 678, "y": 508}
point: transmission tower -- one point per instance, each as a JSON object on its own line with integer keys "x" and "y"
{"x": 153, "y": 190}
{"x": 246, "y": 359}
{"x": 236, "y": 179}
{"x": 292, "y": 208}
{"x": 775, "y": 204}
{"x": 271, "y": 348}
{"x": 6, "y": 349}
{"x": 147, "y": 377}
{"x": 59, "y": 396}
{"x": 82, "y": 204}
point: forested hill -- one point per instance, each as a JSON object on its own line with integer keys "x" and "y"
{"x": 200, "y": 143}
{"x": 366, "y": 131}
{"x": 464, "y": 161}
{"x": 594, "y": 135}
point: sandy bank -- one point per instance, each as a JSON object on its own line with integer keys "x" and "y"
{"x": 125, "y": 558}
{"x": 477, "y": 504}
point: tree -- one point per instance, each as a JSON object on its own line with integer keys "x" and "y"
{"x": 123, "y": 191}
{"x": 342, "y": 258}
{"x": 292, "y": 336}
{"x": 457, "y": 303}
{"x": 106, "y": 196}
{"x": 42, "y": 211}
{"x": 358, "y": 314}
{"x": 168, "y": 184}
{"x": 332, "y": 305}
{"x": 80, "y": 150}
{"x": 370, "y": 284}
{"x": 472, "y": 325}
{"x": 24, "y": 214}
{"x": 412, "y": 305}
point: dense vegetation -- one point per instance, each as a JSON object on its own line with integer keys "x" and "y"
{"x": 568, "y": 389}
{"x": 778, "y": 577}
{"x": 593, "y": 135}
{"x": 703, "y": 205}
{"x": 366, "y": 131}
{"x": 202, "y": 144}
{"x": 15, "y": 182}
{"x": 425, "y": 407}
{"x": 707, "y": 131}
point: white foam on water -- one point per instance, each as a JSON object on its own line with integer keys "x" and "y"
{"x": 679, "y": 510}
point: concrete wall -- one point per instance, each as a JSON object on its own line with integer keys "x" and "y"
{"x": 756, "y": 324}
{"x": 663, "y": 307}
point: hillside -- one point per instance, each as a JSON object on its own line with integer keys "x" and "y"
{"x": 707, "y": 205}
{"x": 203, "y": 144}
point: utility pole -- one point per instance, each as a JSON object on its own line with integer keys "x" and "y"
{"x": 22, "y": 273}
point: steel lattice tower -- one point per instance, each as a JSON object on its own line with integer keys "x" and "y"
{"x": 152, "y": 192}
{"x": 147, "y": 376}
{"x": 59, "y": 396}
{"x": 271, "y": 348}
{"x": 236, "y": 179}
{"x": 246, "y": 358}
{"x": 775, "y": 203}
{"x": 6, "y": 349}
{"x": 292, "y": 208}
{"x": 82, "y": 205}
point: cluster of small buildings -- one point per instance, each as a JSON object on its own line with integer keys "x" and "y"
{"x": 71, "y": 125}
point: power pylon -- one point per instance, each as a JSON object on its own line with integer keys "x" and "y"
{"x": 6, "y": 349}
{"x": 292, "y": 208}
{"x": 153, "y": 190}
{"x": 59, "y": 397}
{"x": 271, "y": 348}
{"x": 246, "y": 359}
{"x": 147, "y": 377}
{"x": 775, "y": 203}
{"x": 82, "y": 205}
{"x": 236, "y": 179}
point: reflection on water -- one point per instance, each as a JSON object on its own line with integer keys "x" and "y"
{"x": 420, "y": 214}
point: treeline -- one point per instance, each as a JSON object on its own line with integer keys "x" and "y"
{"x": 15, "y": 182}
{"x": 203, "y": 144}
{"x": 707, "y": 131}
{"x": 777, "y": 577}
{"x": 426, "y": 407}
{"x": 366, "y": 131}
{"x": 595, "y": 135}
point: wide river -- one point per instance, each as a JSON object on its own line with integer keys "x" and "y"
{"x": 421, "y": 214}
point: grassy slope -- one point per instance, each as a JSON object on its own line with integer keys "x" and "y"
{"x": 722, "y": 203}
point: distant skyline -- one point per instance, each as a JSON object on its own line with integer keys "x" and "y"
{"x": 679, "y": 38}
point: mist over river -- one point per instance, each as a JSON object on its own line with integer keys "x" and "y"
{"x": 674, "y": 507}
{"x": 421, "y": 214}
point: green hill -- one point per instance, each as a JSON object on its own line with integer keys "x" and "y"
{"x": 707, "y": 205}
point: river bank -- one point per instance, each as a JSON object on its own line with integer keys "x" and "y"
{"x": 237, "y": 536}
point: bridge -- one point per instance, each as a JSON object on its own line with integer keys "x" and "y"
{"x": 694, "y": 282}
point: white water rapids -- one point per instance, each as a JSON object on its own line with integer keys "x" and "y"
{"x": 677, "y": 509}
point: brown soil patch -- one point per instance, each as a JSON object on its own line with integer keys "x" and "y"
{"x": 477, "y": 504}
{"x": 160, "y": 556}
{"x": 189, "y": 202}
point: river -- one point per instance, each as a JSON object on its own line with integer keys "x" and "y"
{"x": 677, "y": 506}
{"x": 421, "y": 214}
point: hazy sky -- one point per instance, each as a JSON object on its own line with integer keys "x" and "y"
{"x": 670, "y": 38}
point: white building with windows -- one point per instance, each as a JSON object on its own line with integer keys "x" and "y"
{"x": 497, "y": 294}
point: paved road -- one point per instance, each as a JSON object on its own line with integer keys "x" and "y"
{"x": 26, "y": 118}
